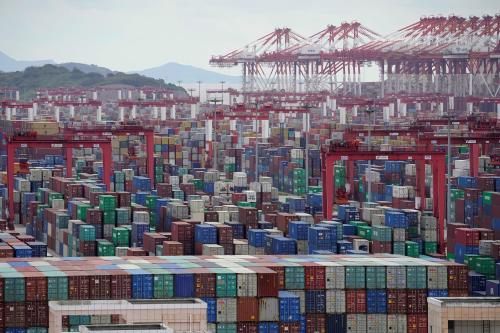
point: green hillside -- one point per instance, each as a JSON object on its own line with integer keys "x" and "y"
{"x": 50, "y": 76}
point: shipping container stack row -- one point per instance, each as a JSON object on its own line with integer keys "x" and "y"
{"x": 474, "y": 236}
{"x": 380, "y": 293}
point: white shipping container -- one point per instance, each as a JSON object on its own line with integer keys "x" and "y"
{"x": 199, "y": 217}
{"x": 334, "y": 277}
{"x": 36, "y": 174}
{"x": 196, "y": 206}
{"x": 428, "y": 222}
{"x": 223, "y": 216}
{"x": 174, "y": 180}
{"x": 400, "y": 192}
{"x": 58, "y": 203}
{"x": 437, "y": 277}
{"x": 226, "y": 310}
{"x": 460, "y": 173}
{"x": 376, "y": 323}
{"x": 396, "y": 323}
{"x": 461, "y": 164}
{"x": 302, "y": 247}
{"x": 396, "y": 277}
{"x": 398, "y": 234}
{"x": 140, "y": 216}
{"x": 335, "y": 301}
{"x": 410, "y": 170}
{"x": 378, "y": 219}
{"x": 429, "y": 235}
{"x": 47, "y": 173}
{"x": 265, "y": 179}
{"x": 247, "y": 284}
{"x": 255, "y": 186}
{"x": 485, "y": 247}
{"x": 266, "y": 187}
{"x": 186, "y": 178}
{"x": 361, "y": 245}
{"x": 252, "y": 250}
{"x": 212, "y": 250}
{"x": 121, "y": 251}
{"x": 251, "y": 196}
{"x": 356, "y": 323}
{"x": 269, "y": 309}
{"x": 305, "y": 217}
{"x": 240, "y": 247}
{"x": 240, "y": 179}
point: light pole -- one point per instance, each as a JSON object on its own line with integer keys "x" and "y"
{"x": 214, "y": 153}
{"x": 222, "y": 92}
{"x": 256, "y": 103}
{"x": 199, "y": 89}
{"x": 448, "y": 176}
{"x": 307, "y": 126}
{"x": 369, "y": 111}
{"x": 179, "y": 83}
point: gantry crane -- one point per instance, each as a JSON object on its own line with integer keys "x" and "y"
{"x": 31, "y": 140}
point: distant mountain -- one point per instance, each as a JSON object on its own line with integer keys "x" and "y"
{"x": 8, "y": 64}
{"x": 173, "y": 72}
{"x": 51, "y": 76}
{"x": 87, "y": 68}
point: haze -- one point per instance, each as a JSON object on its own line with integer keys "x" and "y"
{"x": 131, "y": 35}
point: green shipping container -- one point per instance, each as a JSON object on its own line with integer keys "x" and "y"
{"x": 57, "y": 284}
{"x": 163, "y": 286}
{"x": 412, "y": 249}
{"x": 468, "y": 258}
{"x": 14, "y": 288}
{"x": 416, "y": 277}
{"x": 365, "y": 232}
{"x": 355, "y": 277}
{"x": 484, "y": 265}
{"x": 294, "y": 277}
{"x": 226, "y": 285}
{"x": 226, "y": 328}
{"x": 430, "y": 247}
{"x": 109, "y": 217}
{"x": 107, "y": 202}
{"x": 315, "y": 189}
{"x": 87, "y": 233}
{"x": 121, "y": 236}
{"x": 376, "y": 277}
{"x": 382, "y": 233}
{"x": 105, "y": 248}
{"x": 81, "y": 211}
{"x": 399, "y": 248}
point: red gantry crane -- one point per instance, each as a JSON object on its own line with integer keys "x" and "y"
{"x": 331, "y": 154}
{"x": 31, "y": 140}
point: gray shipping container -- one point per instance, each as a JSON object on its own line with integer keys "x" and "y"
{"x": 396, "y": 277}
{"x": 396, "y": 323}
{"x": 437, "y": 277}
{"x": 335, "y": 277}
{"x": 398, "y": 234}
{"x": 269, "y": 309}
{"x": 226, "y": 310}
{"x": 376, "y": 323}
{"x": 335, "y": 301}
{"x": 302, "y": 247}
{"x": 247, "y": 284}
{"x": 356, "y": 323}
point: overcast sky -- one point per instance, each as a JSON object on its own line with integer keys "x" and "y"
{"x": 137, "y": 34}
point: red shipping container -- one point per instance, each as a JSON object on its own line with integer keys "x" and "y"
{"x": 204, "y": 285}
{"x": 37, "y": 314}
{"x": 283, "y": 219}
{"x": 467, "y": 236}
{"x": 314, "y": 277}
{"x": 35, "y": 286}
{"x": 224, "y": 234}
{"x": 248, "y": 327}
{"x": 458, "y": 293}
{"x": 417, "y": 301}
{"x": 280, "y": 271}
{"x": 136, "y": 252}
{"x": 495, "y": 250}
{"x": 211, "y": 216}
{"x": 14, "y": 314}
{"x": 396, "y": 301}
{"x": 412, "y": 323}
{"x": 267, "y": 282}
{"x": 172, "y": 248}
{"x": 248, "y": 309}
{"x": 88, "y": 248}
{"x": 315, "y": 323}
{"x": 6, "y": 251}
{"x": 290, "y": 328}
{"x": 458, "y": 277}
{"x": 78, "y": 285}
{"x": 121, "y": 285}
{"x": 381, "y": 247}
{"x": 100, "y": 285}
{"x": 422, "y": 323}
{"x": 355, "y": 301}
{"x": 485, "y": 234}
{"x": 151, "y": 239}
{"x": 271, "y": 218}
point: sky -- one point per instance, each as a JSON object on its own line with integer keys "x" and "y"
{"x": 128, "y": 35}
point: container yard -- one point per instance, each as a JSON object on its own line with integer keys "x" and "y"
{"x": 307, "y": 200}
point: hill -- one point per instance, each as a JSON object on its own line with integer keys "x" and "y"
{"x": 51, "y": 76}
{"x": 173, "y": 72}
{"x": 87, "y": 68}
{"x": 8, "y": 64}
